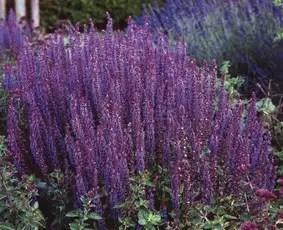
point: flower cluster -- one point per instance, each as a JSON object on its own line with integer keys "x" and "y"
{"x": 110, "y": 105}
{"x": 241, "y": 31}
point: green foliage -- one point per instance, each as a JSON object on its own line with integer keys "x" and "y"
{"x": 270, "y": 114}
{"x": 83, "y": 10}
{"x": 274, "y": 208}
{"x": 19, "y": 208}
{"x": 84, "y": 219}
{"x": 57, "y": 194}
{"x": 148, "y": 219}
{"x": 279, "y": 36}
{"x": 279, "y": 155}
{"x": 271, "y": 216}
{"x": 278, "y": 2}
{"x": 137, "y": 208}
{"x": 231, "y": 84}
{"x": 224, "y": 68}
{"x": 224, "y": 213}
{"x": 266, "y": 106}
{"x": 162, "y": 185}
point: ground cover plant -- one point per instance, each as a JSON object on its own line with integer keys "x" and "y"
{"x": 243, "y": 32}
{"x": 19, "y": 208}
{"x": 114, "y": 108}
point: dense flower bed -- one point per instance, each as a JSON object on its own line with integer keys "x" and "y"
{"x": 108, "y": 106}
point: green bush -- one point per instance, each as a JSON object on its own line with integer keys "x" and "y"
{"x": 53, "y": 11}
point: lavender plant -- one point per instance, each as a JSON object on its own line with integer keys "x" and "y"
{"x": 241, "y": 31}
{"x": 109, "y": 106}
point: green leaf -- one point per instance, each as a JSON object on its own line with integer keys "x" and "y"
{"x": 74, "y": 226}
{"x": 2, "y": 197}
{"x": 278, "y": 2}
{"x": 123, "y": 205}
{"x": 266, "y": 106}
{"x": 42, "y": 185}
{"x": 149, "y": 184}
{"x": 224, "y": 68}
{"x": 4, "y": 226}
{"x": 75, "y": 213}
{"x": 36, "y": 205}
{"x": 142, "y": 217}
{"x": 142, "y": 222}
{"x": 141, "y": 203}
{"x": 230, "y": 217}
{"x": 2, "y": 209}
{"x": 94, "y": 216}
{"x": 155, "y": 219}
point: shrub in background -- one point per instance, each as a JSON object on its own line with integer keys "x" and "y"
{"x": 108, "y": 106}
{"x": 241, "y": 31}
{"x": 53, "y": 11}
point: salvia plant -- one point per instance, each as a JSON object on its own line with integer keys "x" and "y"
{"x": 110, "y": 106}
{"x": 242, "y": 31}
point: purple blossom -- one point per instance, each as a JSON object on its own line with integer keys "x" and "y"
{"x": 16, "y": 146}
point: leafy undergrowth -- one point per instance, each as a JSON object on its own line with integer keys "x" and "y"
{"x": 19, "y": 208}
{"x": 22, "y": 206}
